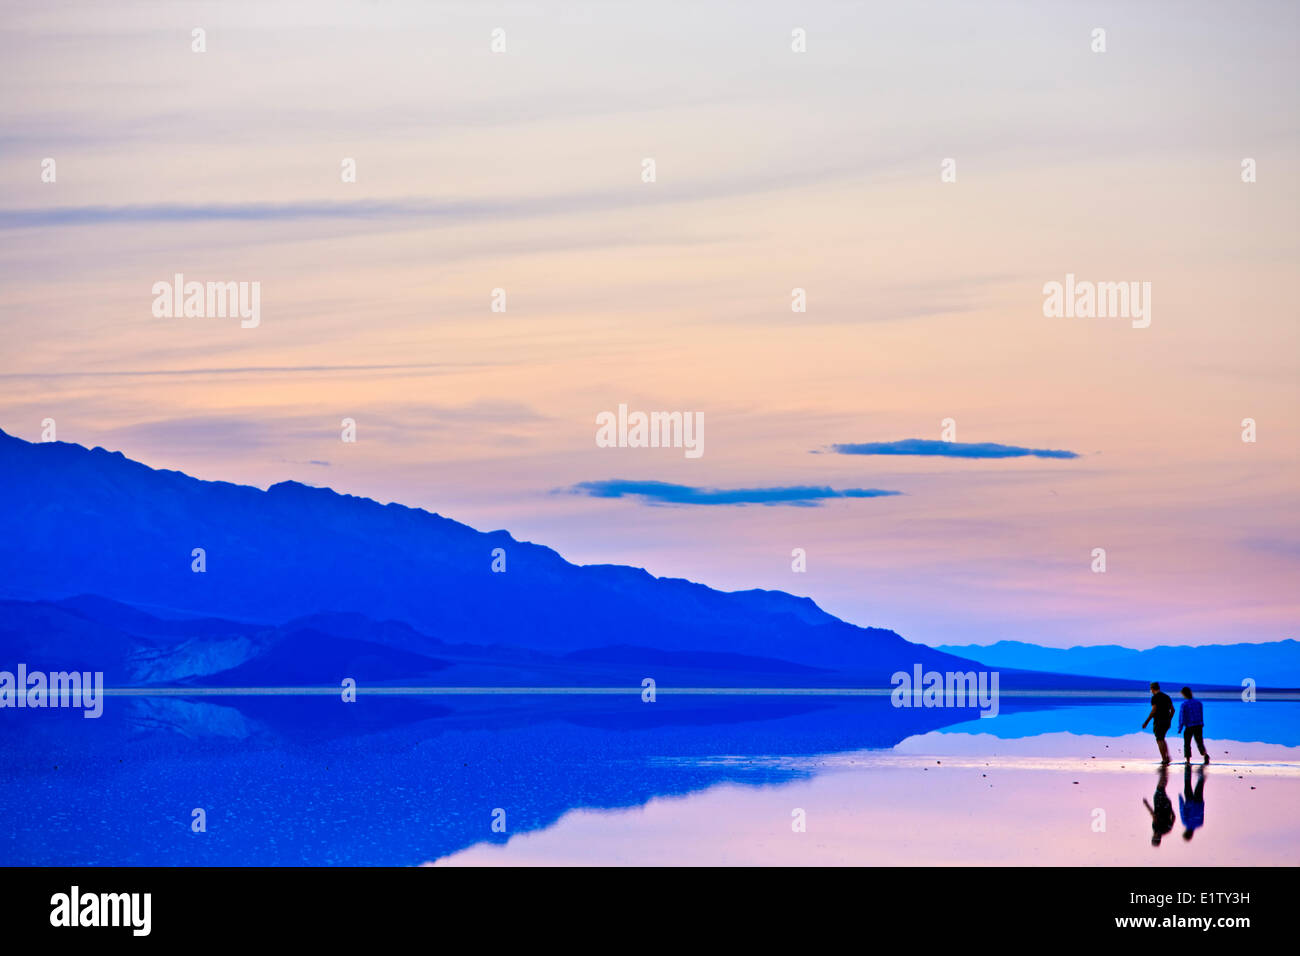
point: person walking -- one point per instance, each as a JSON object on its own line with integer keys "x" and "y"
{"x": 1191, "y": 723}
{"x": 1162, "y": 712}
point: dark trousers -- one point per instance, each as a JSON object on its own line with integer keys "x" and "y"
{"x": 1190, "y": 734}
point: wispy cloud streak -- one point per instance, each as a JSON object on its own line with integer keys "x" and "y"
{"x": 662, "y": 492}
{"x": 949, "y": 449}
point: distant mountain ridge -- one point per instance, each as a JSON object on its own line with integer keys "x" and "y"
{"x": 1272, "y": 664}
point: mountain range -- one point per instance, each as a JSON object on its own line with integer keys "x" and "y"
{"x": 301, "y": 584}
{"x": 1271, "y": 664}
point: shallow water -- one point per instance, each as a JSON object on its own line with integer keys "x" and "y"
{"x": 301, "y": 780}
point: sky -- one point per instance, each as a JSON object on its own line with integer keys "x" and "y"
{"x": 775, "y": 170}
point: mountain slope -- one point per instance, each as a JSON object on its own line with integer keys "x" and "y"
{"x": 87, "y": 521}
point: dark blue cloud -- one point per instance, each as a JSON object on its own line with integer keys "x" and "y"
{"x": 949, "y": 449}
{"x": 662, "y": 492}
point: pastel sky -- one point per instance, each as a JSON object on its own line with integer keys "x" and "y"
{"x": 775, "y": 170}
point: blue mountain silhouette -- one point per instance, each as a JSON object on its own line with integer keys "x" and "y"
{"x": 303, "y": 583}
{"x": 1269, "y": 664}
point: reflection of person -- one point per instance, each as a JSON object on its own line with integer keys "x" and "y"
{"x": 1192, "y": 724}
{"x": 1191, "y": 804}
{"x": 1162, "y": 814}
{"x": 1162, "y": 712}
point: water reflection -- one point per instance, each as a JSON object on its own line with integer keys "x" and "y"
{"x": 392, "y": 781}
{"x": 1162, "y": 812}
{"x": 1191, "y": 803}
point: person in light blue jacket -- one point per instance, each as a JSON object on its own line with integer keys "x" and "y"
{"x": 1192, "y": 723}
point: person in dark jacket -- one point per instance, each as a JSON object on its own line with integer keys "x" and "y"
{"x": 1162, "y": 712}
{"x": 1192, "y": 724}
